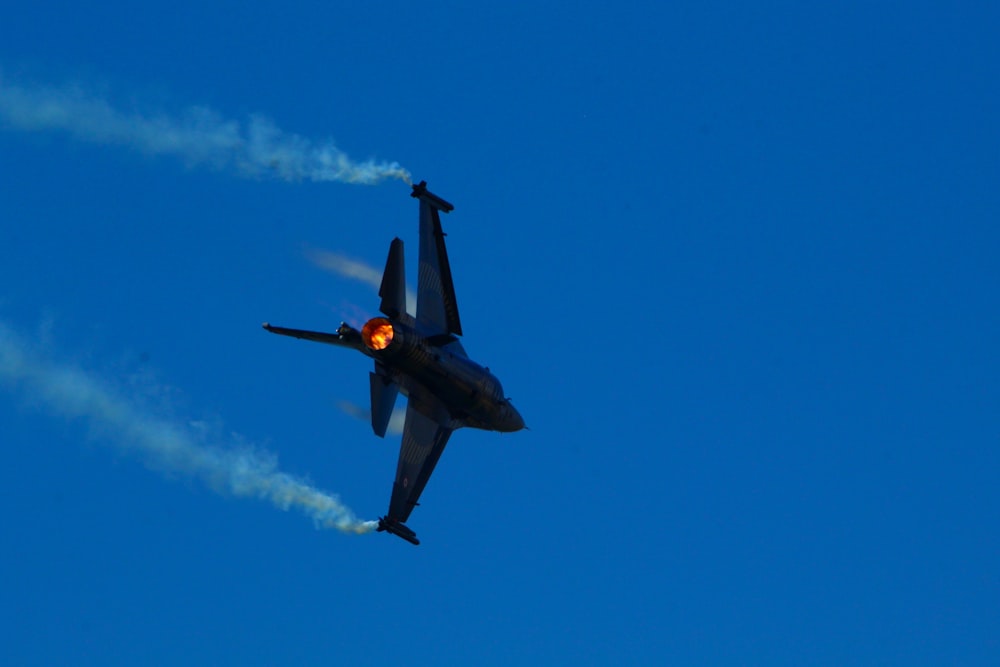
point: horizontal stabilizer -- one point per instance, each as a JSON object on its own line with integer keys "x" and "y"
{"x": 346, "y": 335}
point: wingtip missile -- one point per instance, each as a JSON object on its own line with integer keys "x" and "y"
{"x": 420, "y": 191}
{"x": 385, "y": 524}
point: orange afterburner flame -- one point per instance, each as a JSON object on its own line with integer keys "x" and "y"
{"x": 377, "y": 333}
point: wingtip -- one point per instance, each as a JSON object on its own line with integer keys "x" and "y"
{"x": 420, "y": 191}
{"x": 397, "y": 528}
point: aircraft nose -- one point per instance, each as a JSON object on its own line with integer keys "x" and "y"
{"x": 514, "y": 421}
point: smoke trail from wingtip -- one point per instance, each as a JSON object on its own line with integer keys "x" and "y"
{"x": 199, "y": 135}
{"x": 233, "y": 468}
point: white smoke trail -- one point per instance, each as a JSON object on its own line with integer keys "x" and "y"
{"x": 166, "y": 445}
{"x": 354, "y": 269}
{"x": 345, "y": 266}
{"x": 396, "y": 421}
{"x": 197, "y": 136}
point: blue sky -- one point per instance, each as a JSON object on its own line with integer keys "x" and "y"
{"x": 735, "y": 265}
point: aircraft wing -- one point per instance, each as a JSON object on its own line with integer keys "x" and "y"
{"x": 425, "y": 433}
{"x": 437, "y": 308}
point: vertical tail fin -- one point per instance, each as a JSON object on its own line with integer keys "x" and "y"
{"x": 383, "y": 397}
{"x": 393, "y": 289}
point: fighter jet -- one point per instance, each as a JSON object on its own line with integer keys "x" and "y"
{"x": 422, "y": 358}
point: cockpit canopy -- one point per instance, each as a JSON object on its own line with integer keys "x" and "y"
{"x": 492, "y": 387}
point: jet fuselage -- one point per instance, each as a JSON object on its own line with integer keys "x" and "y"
{"x": 473, "y": 395}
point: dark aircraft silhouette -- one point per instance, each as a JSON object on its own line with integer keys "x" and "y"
{"x": 422, "y": 357}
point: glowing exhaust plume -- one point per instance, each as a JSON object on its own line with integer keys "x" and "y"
{"x": 354, "y": 269}
{"x": 256, "y": 148}
{"x": 236, "y": 469}
{"x": 377, "y": 333}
